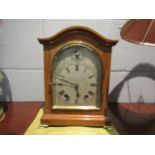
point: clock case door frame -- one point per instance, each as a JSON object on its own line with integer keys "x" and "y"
{"x": 103, "y": 48}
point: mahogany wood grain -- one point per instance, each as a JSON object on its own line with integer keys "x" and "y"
{"x": 19, "y": 116}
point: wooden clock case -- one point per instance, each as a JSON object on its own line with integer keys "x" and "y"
{"x": 103, "y": 48}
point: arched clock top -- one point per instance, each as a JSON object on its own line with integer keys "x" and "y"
{"x": 77, "y": 33}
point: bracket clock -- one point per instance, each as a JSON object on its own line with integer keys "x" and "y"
{"x": 76, "y": 72}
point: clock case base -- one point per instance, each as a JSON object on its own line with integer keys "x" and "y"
{"x": 74, "y": 120}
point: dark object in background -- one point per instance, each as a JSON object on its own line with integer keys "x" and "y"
{"x": 133, "y": 118}
{"x": 19, "y": 116}
{"x": 5, "y": 91}
{"x": 139, "y": 31}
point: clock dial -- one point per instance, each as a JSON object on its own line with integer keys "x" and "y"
{"x": 77, "y": 78}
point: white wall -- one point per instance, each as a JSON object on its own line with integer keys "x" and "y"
{"x": 21, "y": 57}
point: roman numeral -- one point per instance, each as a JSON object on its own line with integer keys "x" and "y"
{"x": 76, "y": 67}
{"x": 93, "y": 84}
{"x": 85, "y": 70}
{"x": 58, "y": 84}
{"x": 91, "y": 93}
{"x": 67, "y": 69}
{"x": 61, "y": 76}
{"x": 91, "y": 76}
{"x": 77, "y": 56}
{"x": 62, "y": 92}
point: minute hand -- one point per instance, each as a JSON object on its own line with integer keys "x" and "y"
{"x": 68, "y": 82}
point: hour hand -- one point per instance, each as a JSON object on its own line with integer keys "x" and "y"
{"x": 77, "y": 90}
{"x": 77, "y": 93}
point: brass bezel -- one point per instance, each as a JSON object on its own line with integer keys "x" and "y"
{"x": 57, "y": 107}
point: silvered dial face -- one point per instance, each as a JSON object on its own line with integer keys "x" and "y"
{"x": 76, "y": 78}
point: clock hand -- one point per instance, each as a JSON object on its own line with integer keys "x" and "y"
{"x": 74, "y": 84}
{"x": 77, "y": 92}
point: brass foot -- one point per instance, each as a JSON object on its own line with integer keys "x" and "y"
{"x": 43, "y": 126}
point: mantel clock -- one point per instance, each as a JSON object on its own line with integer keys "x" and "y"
{"x": 76, "y": 73}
